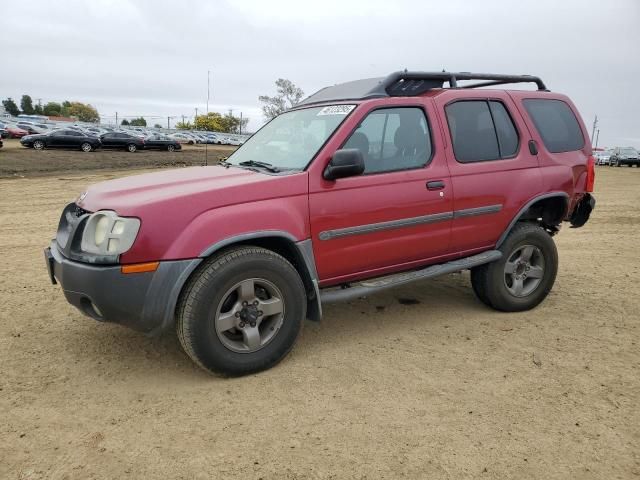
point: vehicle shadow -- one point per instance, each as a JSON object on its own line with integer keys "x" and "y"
{"x": 430, "y": 302}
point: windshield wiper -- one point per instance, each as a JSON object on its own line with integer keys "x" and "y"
{"x": 265, "y": 165}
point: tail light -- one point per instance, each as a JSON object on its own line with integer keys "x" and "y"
{"x": 591, "y": 173}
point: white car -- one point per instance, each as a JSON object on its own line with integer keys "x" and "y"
{"x": 603, "y": 157}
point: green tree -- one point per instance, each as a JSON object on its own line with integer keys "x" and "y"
{"x": 83, "y": 112}
{"x": 52, "y": 109}
{"x": 11, "y": 107}
{"x": 184, "y": 126}
{"x": 125, "y": 122}
{"x": 215, "y": 122}
{"x": 288, "y": 95}
{"x": 37, "y": 109}
{"x": 26, "y": 105}
{"x": 138, "y": 122}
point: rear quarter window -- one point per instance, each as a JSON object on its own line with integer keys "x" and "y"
{"x": 556, "y": 124}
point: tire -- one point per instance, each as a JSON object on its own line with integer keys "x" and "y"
{"x": 509, "y": 284}
{"x": 86, "y": 147}
{"x": 38, "y": 145}
{"x": 218, "y": 317}
{"x": 132, "y": 148}
{"x": 171, "y": 148}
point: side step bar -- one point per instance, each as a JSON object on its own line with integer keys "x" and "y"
{"x": 367, "y": 287}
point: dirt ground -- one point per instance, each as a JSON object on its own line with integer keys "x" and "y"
{"x": 17, "y": 161}
{"x": 422, "y": 382}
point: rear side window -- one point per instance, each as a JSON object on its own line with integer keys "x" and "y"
{"x": 481, "y": 130}
{"x": 556, "y": 124}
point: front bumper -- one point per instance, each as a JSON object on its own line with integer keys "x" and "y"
{"x": 142, "y": 301}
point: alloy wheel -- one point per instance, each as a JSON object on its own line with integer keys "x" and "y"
{"x": 249, "y": 315}
{"x": 524, "y": 270}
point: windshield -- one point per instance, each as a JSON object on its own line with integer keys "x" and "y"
{"x": 291, "y": 140}
{"x": 628, "y": 151}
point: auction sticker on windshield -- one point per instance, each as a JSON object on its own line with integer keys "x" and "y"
{"x": 336, "y": 110}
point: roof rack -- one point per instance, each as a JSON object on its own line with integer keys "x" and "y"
{"x": 409, "y": 84}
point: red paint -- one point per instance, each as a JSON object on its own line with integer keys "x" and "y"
{"x": 185, "y": 211}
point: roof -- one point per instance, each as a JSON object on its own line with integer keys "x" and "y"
{"x": 408, "y": 84}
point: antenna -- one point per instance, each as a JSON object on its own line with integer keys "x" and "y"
{"x": 206, "y": 144}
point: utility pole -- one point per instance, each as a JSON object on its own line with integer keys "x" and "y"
{"x": 240, "y": 123}
{"x": 168, "y": 127}
{"x": 183, "y": 119}
{"x": 597, "y": 137}
{"x": 206, "y": 145}
{"x": 593, "y": 132}
{"x": 196, "y": 117}
{"x": 116, "y": 119}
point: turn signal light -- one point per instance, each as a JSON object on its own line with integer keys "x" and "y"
{"x": 139, "y": 267}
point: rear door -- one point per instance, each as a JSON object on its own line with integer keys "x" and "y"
{"x": 493, "y": 172}
{"x": 398, "y": 213}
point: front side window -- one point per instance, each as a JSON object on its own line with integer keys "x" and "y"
{"x": 556, "y": 124}
{"x": 481, "y": 130}
{"x": 393, "y": 139}
{"x": 292, "y": 139}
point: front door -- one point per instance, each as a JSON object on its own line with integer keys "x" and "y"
{"x": 398, "y": 213}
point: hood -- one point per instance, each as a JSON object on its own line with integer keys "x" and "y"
{"x": 188, "y": 190}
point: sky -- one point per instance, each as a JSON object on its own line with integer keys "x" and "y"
{"x": 151, "y": 58}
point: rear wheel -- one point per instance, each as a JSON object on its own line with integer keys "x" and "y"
{"x": 524, "y": 275}
{"x": 86, "y": 147}
{"x": 132, "y": 147}
{"x": 38, "y": 145}
{"x": 242, "y": 311}
{"x": 171, "y": 148}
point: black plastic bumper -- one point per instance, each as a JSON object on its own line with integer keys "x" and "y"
{"x": 141, "y": 301}
{"x": 583, "y": 210}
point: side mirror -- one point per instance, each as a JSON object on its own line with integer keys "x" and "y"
{"x": 347, "y": 162}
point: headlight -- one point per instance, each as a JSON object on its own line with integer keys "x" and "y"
{"x": 108, "y": 234}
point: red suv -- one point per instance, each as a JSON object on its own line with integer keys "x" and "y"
{"x": 363, "y": 186}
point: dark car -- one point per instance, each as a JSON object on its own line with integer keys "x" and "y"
{"x": 61, "y": 139}
{"x": 122, "y": 140}
{"x": 625, "y": 156}
{"x": 161, "y": 142}
{"x": 1, "y": 144}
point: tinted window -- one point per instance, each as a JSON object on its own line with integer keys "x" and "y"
{"x": 73, "y": 133}
{"x": 506, "y": 130}
{"x": 556, "y": 124}
{"x": 472, "y": 133}
{"x": 393, "y": 139}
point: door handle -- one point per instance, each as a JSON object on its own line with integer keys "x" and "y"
{"x": 435, "y": 185}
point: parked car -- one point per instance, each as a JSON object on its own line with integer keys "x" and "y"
{"x": 15, "y": 132}
{"x": 4, "y": 133}
{"x": 161, "y": 142}
{"x": 121, "y": 140}
{"x": 603, "y": 157}
{"x": 61, "y": 139}
{"x": 1, "y": 142}
{"x": 238, "y": 254}
{"x": 625, "y": 156}
{"x": 183, "y": 138}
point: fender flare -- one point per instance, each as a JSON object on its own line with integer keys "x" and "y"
{"x": 526, "y": 207}
{"x": 304, "y": 251}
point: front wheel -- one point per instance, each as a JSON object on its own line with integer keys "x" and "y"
{"x": 242, "y": 311}
{"x": 525, "y": 274}
{"x": 171, "y": 148}
{"x": 132, "y": 148}
{"x": 86, "y": 147}
{"x": 38, "y": 145}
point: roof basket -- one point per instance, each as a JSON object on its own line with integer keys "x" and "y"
{"x": 410, "y": 84}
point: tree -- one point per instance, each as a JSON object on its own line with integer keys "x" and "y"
{"x": 138, "y": 122}
{"x": 11, "y": 107}
{"x": 125, "y": 122}
{"x": 52, "y": 109}
{"x": 84, "y": 112}
{"x": 26, "y": 105}
{"x": 288, "y": 96}
{"x": 215, "y": 122}
{"x": 37, "y": 109}
{"x": 157, "y": 125}
{"x": 184, "y": 126}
